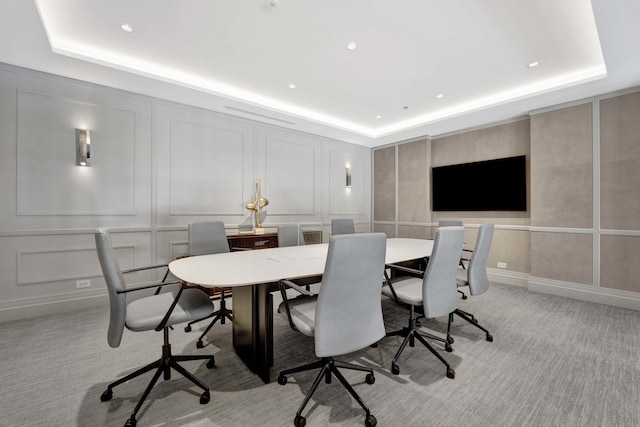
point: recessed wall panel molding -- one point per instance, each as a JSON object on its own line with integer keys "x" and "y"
{"x": 343, "y": 199}
{"x": 384, "y": 184}
{"x": 620, "y": 162}
{"x": 414, "y": 189}
{"x": 619, "y": 268}
{"x": 562, "y": 257}
{"x": 562, "y": 168}
{"x": 206, "y": 169}
{"x": 48, "y": 180}
{"x": 204, "y": 165}
{"x": 43, "y": 266}
{"x": 290, "y": 177}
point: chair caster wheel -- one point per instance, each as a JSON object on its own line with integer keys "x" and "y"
{"x": 489, "y": 338}
{"x": 370, "y": 379}
{"x": 299, "y": 421}
{"x": 211, "y": 362}
{"x": 370, "y": 421}
{"x": 450, "y": 340}
{"x": 451, "y": 373}
{"x": 187, "y": 329}
{"x": 204, "y": 398}
{"x": 447, "y": 347}
{"x": 131, "y": 422}
{"x": 395, "y": 370}
{"x": 282, "y": 380}
{"x": 200, "y": 344}
{"x": 107, "y": 395}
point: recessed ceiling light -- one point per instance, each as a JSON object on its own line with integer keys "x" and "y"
{"x": 351, "y": 46}
{"x": 126, "y": 27}
{"x": 378, "y": 117}
{"x": 533, "y": 64}
{"x": 440, "y": 95}
{"x": 292, "y": 86}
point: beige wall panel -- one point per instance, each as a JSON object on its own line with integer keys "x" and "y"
{"x": 620, "y": 162}
{"x": 414, "y": 232}
{"x": 384, "y": 165}
{"x": 561, "y": 168}
{"x": 510, "y": 246}
{"x": 562, "y": 256}
{"x": 388, "y": 229}
{"x": 619, "y": 268}
{"x": 507, "y": 140}
{"x": 562, "y": 196}
{"x": 413, "y": 182}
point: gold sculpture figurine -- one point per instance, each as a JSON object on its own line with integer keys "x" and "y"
{"x": 257, "y": 205}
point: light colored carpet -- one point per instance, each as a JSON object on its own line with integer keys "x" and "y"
{"x": 554, "y": 362}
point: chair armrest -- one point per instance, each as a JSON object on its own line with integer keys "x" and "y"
{"x": 143, "y": 286}
{"x": 131, "y": 270}
{"x": 406, "y": 269}
{"x": 283, "y": 284}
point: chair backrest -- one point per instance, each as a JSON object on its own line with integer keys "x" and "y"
{"x": 477, "y": 271}
{"x": 290, "y": 235}
{"x": 450, "y": 223}
{"x": 115, "y": 282}
{"x": 342, "y": 226}
{"x": 207, "y": 237}
{"x": 439, "y": 289}
{"x": 349, "y": 309}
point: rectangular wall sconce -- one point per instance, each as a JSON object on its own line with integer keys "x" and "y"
{"x": 348, "y": 171}
{"x": 83, "y": 147}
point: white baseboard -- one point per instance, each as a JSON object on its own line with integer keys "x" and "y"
{"x": 508, "y": 277}
{"x": 590, "y": 293}
{"x": 31, "y": 309}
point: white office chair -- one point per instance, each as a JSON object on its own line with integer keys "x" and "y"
{"x": 290, "y": 235}
{"x": 475, "y": 277}
{"x": 157, "y": 312}
{"x": 342, "y": 226}
{"x": 435, "y": 292}
{"x": 345, "y": 316}
{"x": 209, "y": 237}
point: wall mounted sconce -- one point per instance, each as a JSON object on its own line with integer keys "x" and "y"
{"x": 83, "y": 147}
{"x": 348, "y": 172}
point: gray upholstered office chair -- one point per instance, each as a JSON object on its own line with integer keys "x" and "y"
{"x": 456, "y": 223}
{"x": 345, "y": 316}
{"x": 342, "y": 226}
{"x": 205, "y": 238}
{"x": 290, "y": 235}
{"x": 475, "y": 277}
{"x": 157, "y": 312}
{"x": 435, "y": 292}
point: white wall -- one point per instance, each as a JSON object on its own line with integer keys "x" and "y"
{"x": 156, "y": 166}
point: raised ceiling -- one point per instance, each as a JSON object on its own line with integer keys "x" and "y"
{"x": 247, "y": 54}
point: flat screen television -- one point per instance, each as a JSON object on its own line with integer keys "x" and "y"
{"x": 491, "y": 185}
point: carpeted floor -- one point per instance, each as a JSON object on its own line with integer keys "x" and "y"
{"x": 554, "y": 362}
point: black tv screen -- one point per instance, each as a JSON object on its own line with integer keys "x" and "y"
{"x": 491, "y": 185}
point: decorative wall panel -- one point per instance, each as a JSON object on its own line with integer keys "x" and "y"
{"x": 384, "y": 184}
{"x": 619, "y": 268}
{"x": 46, "y": 158}
{"x": 620, "y": 162}
{"x": 414, "y": 184}
{"x": 290, "y": 171}
{"x": 206, "y": 169}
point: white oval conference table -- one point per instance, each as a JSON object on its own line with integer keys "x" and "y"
{"x": 254, "y": 275}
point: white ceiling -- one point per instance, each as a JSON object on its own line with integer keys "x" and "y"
{"x": 240, "y": 56}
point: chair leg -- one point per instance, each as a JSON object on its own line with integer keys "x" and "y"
{"x": 327, "y": 367}
{"x": 450, "y": 372}
{"x": 221, "y": 314}
{"x": 464, "y": 296}
{"x": 162, "y": 366}
{"x": 471, "y": 319}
